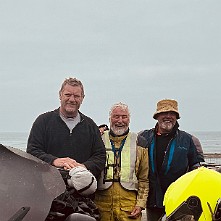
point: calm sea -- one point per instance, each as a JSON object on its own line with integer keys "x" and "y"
{"x": 14, "y": 139}
{"x": 211, "y": 141}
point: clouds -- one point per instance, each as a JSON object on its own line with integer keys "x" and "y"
{"x": 136, "y": 52}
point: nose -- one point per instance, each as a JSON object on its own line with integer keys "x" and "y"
{"x": 120, "y": 119}
{"x": 72, "y": 98}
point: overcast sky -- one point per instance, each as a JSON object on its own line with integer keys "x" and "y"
{"x": 136, "y": 52}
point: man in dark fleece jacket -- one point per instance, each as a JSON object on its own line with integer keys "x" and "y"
{"x": 65, "y": 137}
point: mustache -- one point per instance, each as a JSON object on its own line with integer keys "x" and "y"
{"x": 72, "y": 103}
{"x": 120, "y": 125}
{"x": 167, "y": 119}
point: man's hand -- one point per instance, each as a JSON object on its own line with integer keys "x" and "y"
{"x": 67, "y": 163}
{"x": 135, "y": 213}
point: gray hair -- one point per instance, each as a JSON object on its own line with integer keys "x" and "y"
{"x": 121, "y": 105}
{"x": 72, "y": 82}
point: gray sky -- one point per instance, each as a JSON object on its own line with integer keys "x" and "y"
{"x": 136, "y": 52}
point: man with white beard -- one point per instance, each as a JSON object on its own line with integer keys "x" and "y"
{"x": 123, "y": 187}
{"x": 172, "y": 153}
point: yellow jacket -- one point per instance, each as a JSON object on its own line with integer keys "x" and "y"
{"x": 134, "y": 166}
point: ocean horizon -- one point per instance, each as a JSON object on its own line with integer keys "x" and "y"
{"x": 210, "y": 140}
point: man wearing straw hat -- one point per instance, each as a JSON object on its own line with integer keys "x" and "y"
{"x": 172, "y": 153}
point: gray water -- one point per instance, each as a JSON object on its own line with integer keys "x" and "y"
{"x": 14, "y": 139}
{"x": 211, "y": 141}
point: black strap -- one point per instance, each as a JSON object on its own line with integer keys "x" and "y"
{"x": 86, "y": 187}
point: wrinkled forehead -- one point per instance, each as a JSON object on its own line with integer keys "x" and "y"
{"x": 72, "y": 89}
{"x": 120, "y": 111}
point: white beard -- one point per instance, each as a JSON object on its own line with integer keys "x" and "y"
{"x": 167, "y": 126}
{"x": 119, "y": 131}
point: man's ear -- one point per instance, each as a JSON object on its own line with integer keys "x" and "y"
{"x": 82, "y": 99}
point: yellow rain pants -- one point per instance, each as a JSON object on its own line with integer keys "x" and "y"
{"x": 116, "y": 203}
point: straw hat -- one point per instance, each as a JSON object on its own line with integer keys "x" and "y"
{"x": 166, "y": 105}
{"x": 82, "y": 180}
